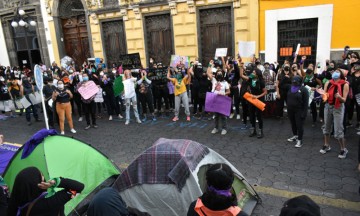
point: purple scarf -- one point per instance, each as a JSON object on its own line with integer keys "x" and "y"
{"x": 295, "y": 88}
{"x": 226, "y": 193}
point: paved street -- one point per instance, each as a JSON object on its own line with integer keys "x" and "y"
{"x": 277, "y": 168}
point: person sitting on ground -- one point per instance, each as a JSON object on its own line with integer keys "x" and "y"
{"x": 219, "y": 198}
{"x": 29, "y": 196}
{"x": 300, "y": 206}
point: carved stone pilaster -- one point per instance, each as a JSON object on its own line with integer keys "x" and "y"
{"x": 90, "y": 3}
{"x": 172, "y": 6}
{"x": 137, "y": 12}
{"x": 123, "y": 13}
{"x": 236, "y": 3}
{"x": 47, "y": 6}
{"x": 191, "y": 6}
{"x": 94, "y": 18}
{"x": 100, "y": 3}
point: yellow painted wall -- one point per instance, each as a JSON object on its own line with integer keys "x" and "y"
{"x": 345, "y": 17}
{"x": 54, "y": 41}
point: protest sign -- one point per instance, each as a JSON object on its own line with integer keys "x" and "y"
{"x": 88, "y": 90}
{"x": 157, "y": 74}
{"x": 246, "y": 49}
{"x": 118, "y": 86}
{"x": 297, "y": 49}
{"x": 221, "y": 52}
{"x": 178, "y": 60}
{"x": 130, "y": 61}
{"x": 217, "y": 103}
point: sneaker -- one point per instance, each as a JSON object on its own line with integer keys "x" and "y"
{"x": 175, "y": 119}
{"x": 231, "y": 115}
{"x": 188, "y": 118}
{"x": 138, "y": 120}
{"x": 95, "y": 126}
{"x": 88, "y": 127}
{"x": 214, "y": 131}
{"x": 80, "y": 119}
{"x": 144, "y": 119}
{"x": 238, "y": 117}
{"x": 110, "y": 118}
{"x": 244, "y": 127}
{"x": 154, "y": 118}
{"x": 127, "y": 122}
{"x": 292, "y": 139}
{"x": 325, "y": 149}
{"x": 73, "y": 131}
{"x": 257, "y": 121}
{"x": 62, "y": 133}
{"x": 223, "y": 132}
{"x": 343, "y": 154}
{"x": 298, "y": 144}
{"x": 120, "y": 116}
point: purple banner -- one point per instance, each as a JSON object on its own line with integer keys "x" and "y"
{"x": 6, "y": 153}
{"x": 217, "y": 103}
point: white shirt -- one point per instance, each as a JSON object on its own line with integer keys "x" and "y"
{"x": 219, "y": 87}
{"x": 129, "y": 87}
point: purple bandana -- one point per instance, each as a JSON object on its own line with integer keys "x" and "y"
{"x": 295, "y": 88}
{"x": 226, "y": 193}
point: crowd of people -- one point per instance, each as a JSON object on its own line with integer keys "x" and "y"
{"x": 332, "y": 93}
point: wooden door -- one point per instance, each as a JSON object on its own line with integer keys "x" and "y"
{"x": 159, "y": 38}
{"x": 76, "y": 38}
{"x": 216, "y": 32}
{"x": 114, "y": 41}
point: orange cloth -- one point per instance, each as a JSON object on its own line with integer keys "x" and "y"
{"x": 256, "y": 102}
{"x": 202, "y": 210}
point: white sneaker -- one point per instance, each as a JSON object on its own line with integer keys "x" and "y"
{"x": 80, "y": 119}
{"x": 214, "y": 131}
{"x": 237, "y": 116}
{"x": 292, "y": 139}
{"x": 231, "y": 115}
{"x": 325, "y": 149}
{"x": 62, "y": 133}
{"x": 120, "y": 116}
{"x": 223, "y": 132}
{"x": 110, "y": 118}
{"x": 298, "y": 144}
{"x": 343, "y": 154}
{"x": 138, "y": 120}
{"x": 73, "y": 131}
{"x": 127, "y": 122}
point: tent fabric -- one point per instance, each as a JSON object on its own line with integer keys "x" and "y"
{"x": 35, "y": 140}
{"x": 166, "y": 199}
{"x": 61, "y": 156}
{"x": 7, "y": 151}
{"x": 166, "y": 162}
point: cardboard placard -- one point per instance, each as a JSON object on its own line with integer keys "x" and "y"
{"x": 177, "y": 60}
{"x": 130, "y": 61}
{"x": 221, "y": 52}
{"x": 217, "y": 103}
{"x": 247, "y": 49}
{"x": 89, "y": 90}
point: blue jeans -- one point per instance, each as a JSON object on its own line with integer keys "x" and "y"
{"x": 34, "y": 111}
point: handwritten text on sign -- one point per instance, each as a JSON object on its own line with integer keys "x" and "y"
{"x": 88, "y": 90}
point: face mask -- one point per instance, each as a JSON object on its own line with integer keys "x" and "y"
{"x": 309, "y": 71}
{"x": 101, "y": 73}
{"x": 61, "y": 86}
{"x": 114, "y": 71}
{"x": 219, "y": 76}
{"x": 286, "y": 68}
{"x": 85, "y": 79}
{"x": 252, "y": 76}
{"x": 335, "y": 75}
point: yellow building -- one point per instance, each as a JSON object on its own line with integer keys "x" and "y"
{"x": 322, "y": 27}
{"x": 152, "y": 28}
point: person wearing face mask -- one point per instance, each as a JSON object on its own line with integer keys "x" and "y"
{"x": 61, "y": 96}
{"x": 221, "y": 87}
{"x": 283, "y": 82}
{"x": 335, "y": 93}
{"x": 145, "y": 96}
{"x": 130, "y": 96}
{"x": 28, "y": 89}
{"x": 5, "y": 96}
{"x": 297, "y": 105}
{"x": 109, "y": 97}
{"x": 180, "y": 92}
{"x": 233, "y": 70}
{"x": 15, "y": 90}
{"x": 48, "y": 91}
{"x": 258, "y": 91}
{"x": 270, "y": 100}
{"x": 88, "y": 105}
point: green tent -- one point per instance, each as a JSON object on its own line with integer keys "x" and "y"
{"x": 61, "y": 156}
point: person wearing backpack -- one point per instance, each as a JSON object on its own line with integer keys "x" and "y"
{"x": 297, "y": 106}
{"x": 335, "y": 94}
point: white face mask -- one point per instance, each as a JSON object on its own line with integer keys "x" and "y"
{"x": 61, "y": 86}
{"x": 114, "y": 71}
{"x": 101, "y": 73}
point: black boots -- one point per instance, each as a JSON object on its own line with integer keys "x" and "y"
{"x": 253, "y": 132}
{"x": 260, "y": 134}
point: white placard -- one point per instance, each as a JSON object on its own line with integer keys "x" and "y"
{"x": 297, "y": 49}
{"x": 221, "y": 52}
{"x": 247, "y": 48}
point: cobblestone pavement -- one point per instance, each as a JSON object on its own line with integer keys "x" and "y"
{"x": 272, "y": 163}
